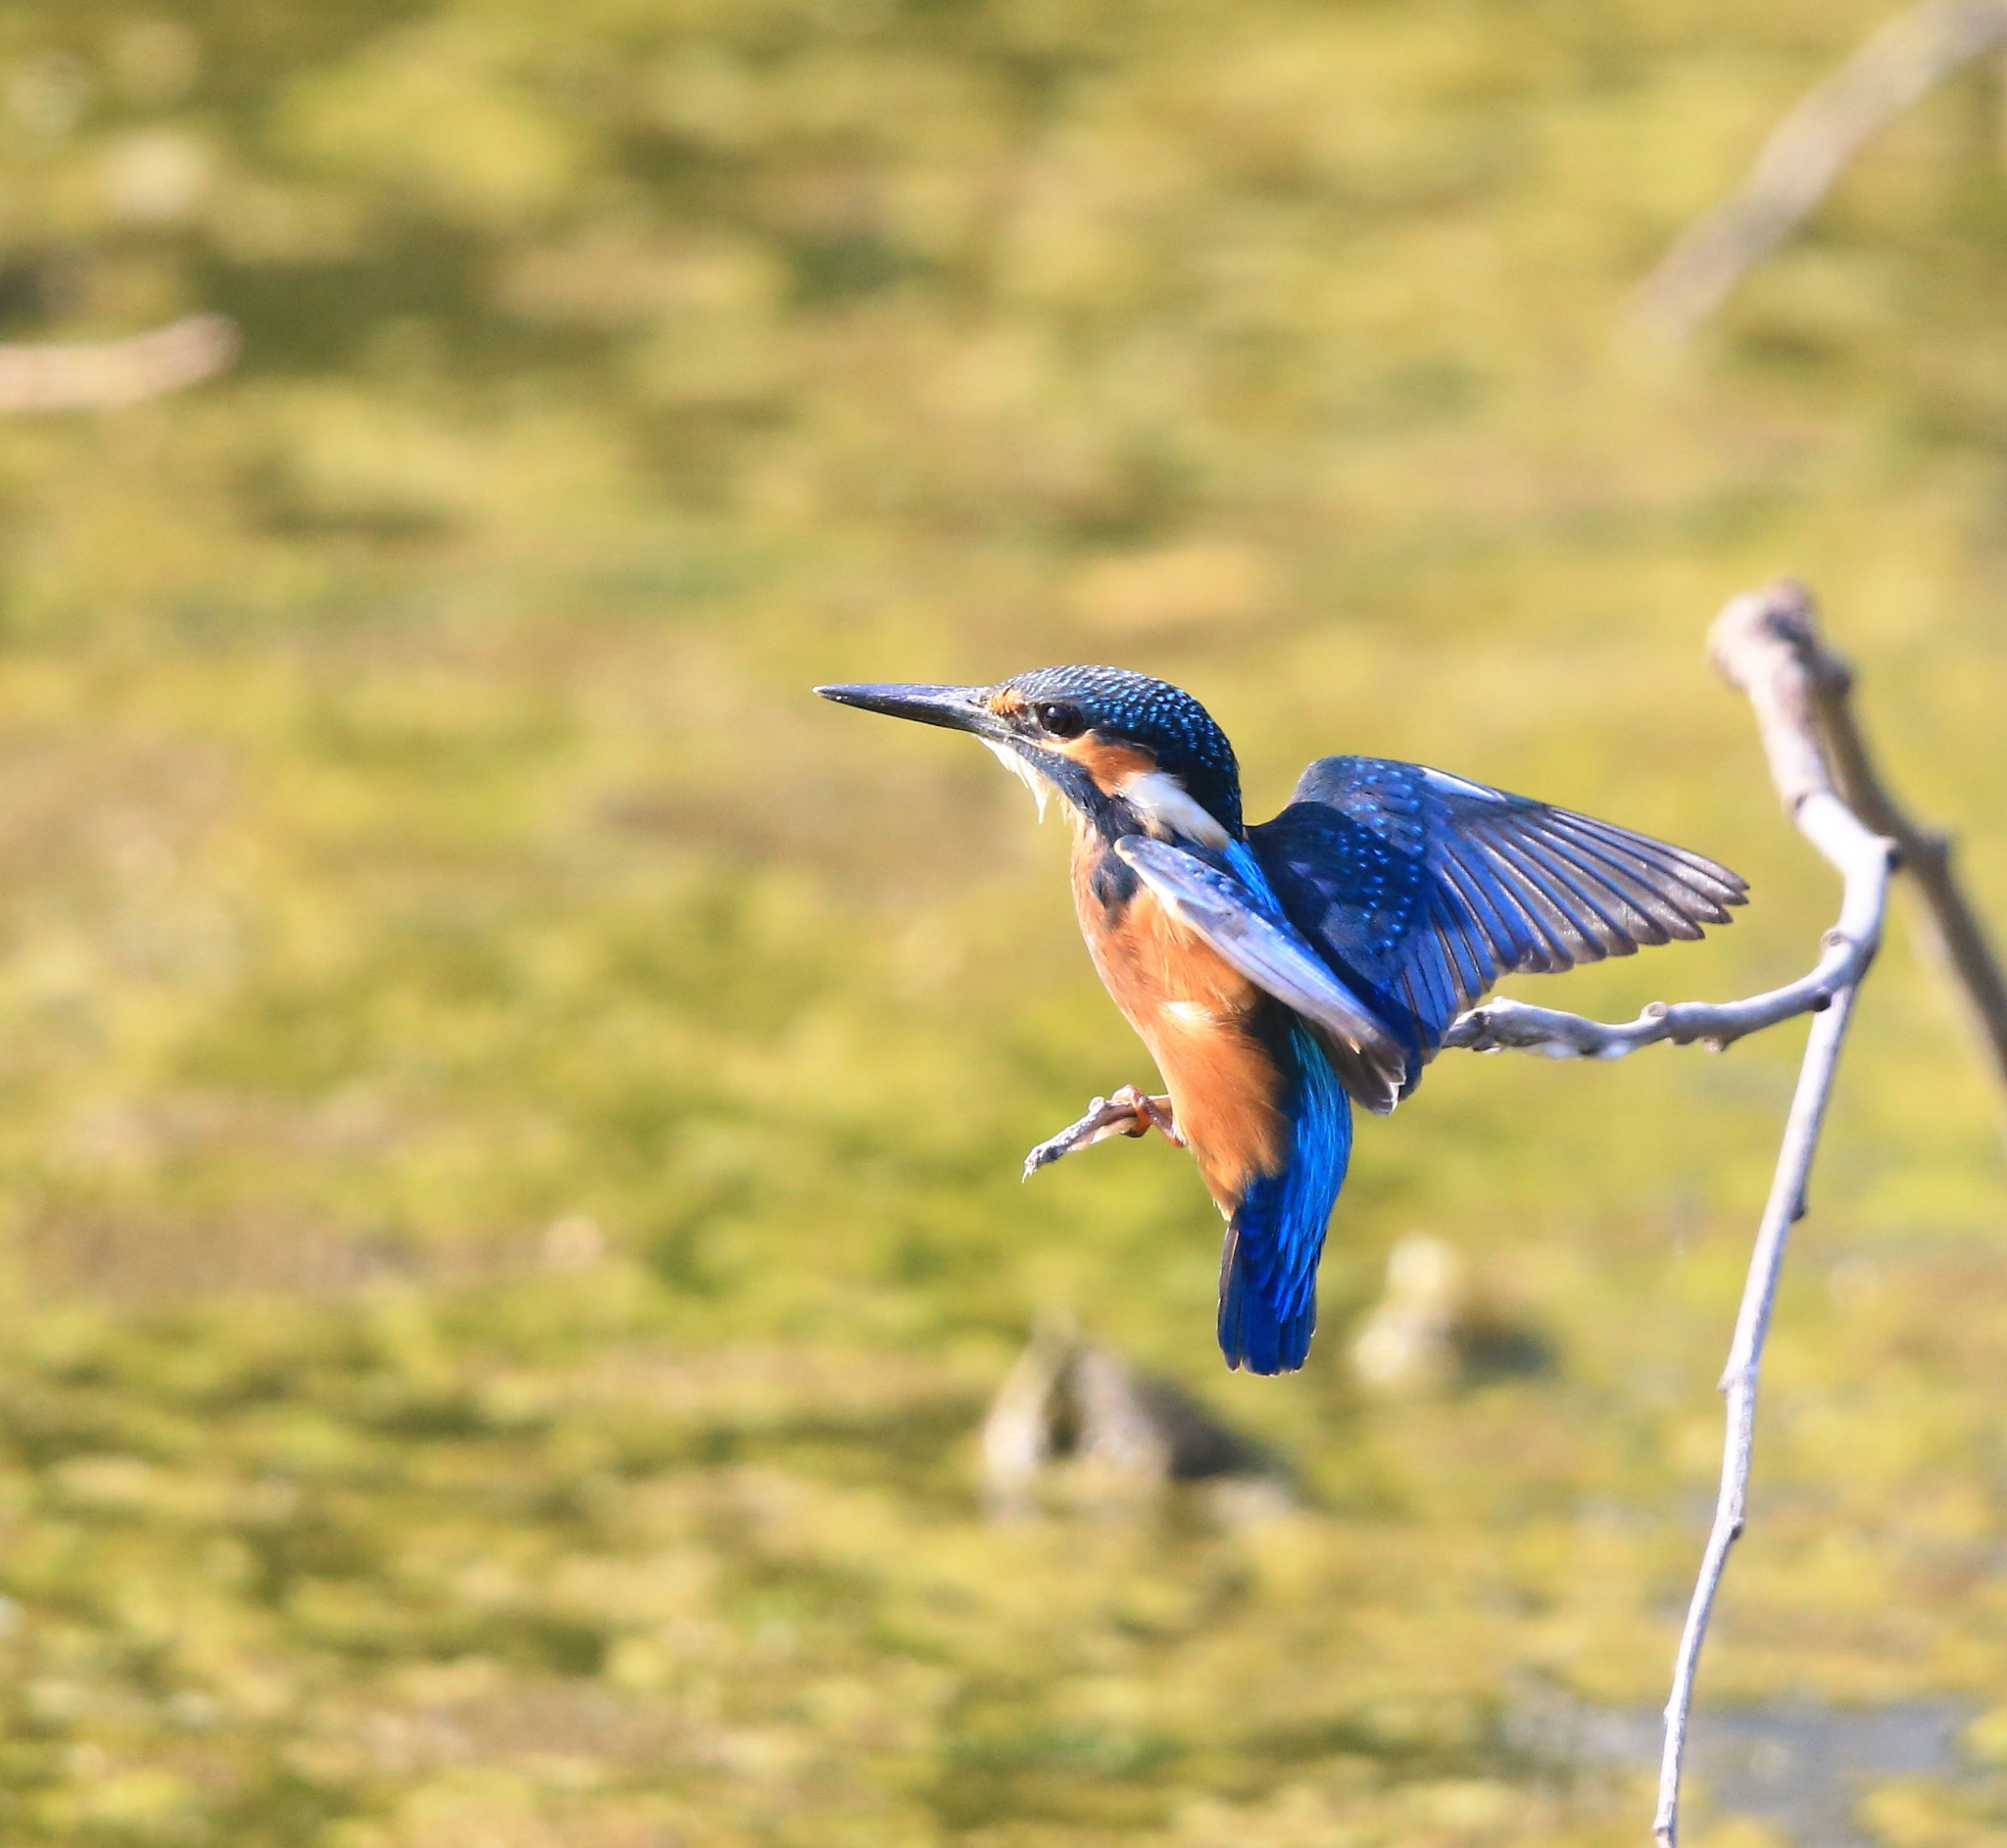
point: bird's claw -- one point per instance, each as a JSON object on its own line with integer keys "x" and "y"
{"x": 1152, "y": 1113}
{"x": 1129, "y": 1112}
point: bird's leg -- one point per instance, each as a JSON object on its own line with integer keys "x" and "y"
{"x": 1129, "y": 1112}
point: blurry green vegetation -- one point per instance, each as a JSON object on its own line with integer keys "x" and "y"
{"x": 510, "y": 1112}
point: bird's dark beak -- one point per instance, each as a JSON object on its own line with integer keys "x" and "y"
{"x": 959, "y": 708}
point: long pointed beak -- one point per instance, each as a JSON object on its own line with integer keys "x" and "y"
{"x": 959, "y": 708}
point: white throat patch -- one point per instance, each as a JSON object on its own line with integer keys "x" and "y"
{"x": 1026, "y": 773}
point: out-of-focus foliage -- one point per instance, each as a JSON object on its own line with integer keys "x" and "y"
{"x": 511, "y": 1110}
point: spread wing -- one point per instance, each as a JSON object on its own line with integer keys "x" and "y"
{"x": 1421, "y": 889}
{"x": 1248, "y": 928}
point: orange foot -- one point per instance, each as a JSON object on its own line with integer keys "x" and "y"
{"x": 1150, "y": 1113}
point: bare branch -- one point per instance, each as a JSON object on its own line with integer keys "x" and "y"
{"x": 1785, "y": 1206}
{"x": 1845, "y": 953}
{"x": 104, "y": 374}
{"x": 1806, "y": 153}
{"x": 1823, "y": 767}
{"x": 1767, "y": 643}
{"x": 1770, "y": 644}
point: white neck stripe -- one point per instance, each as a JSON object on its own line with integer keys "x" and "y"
{"x": 1170, "y": 810}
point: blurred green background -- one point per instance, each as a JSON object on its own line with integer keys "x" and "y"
{"x": 510, "y": 1110}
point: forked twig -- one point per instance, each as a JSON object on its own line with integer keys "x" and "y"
{"x": 1767, "y": 643}
{"x": 1823, "y": 735}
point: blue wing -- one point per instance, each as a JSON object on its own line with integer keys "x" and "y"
{"x": 1421, "y": 889}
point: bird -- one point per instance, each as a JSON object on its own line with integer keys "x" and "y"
{"x": 1280, "y": 974}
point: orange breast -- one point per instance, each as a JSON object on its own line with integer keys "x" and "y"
{"x": 1201, "y": 1019}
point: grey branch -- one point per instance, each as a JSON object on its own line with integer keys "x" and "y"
{"x": 1808, "y": 150}
{"x": 1785, "y": 1206}
{"x": 1767, "y": 643}
{"x": 105, "y": 375}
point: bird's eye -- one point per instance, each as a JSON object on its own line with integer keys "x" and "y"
{"x": 1062, "y": 721}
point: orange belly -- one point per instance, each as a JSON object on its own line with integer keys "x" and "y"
{"x": 1201, "y": 1019}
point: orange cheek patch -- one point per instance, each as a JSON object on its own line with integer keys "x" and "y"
{"x": 1112, "y": 763}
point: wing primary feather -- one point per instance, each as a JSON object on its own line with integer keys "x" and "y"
{"x": 1548, "y": 950}
{"x": 1669, "y": 883}
{"x": 1620, "y": 927}
{"x": 1671, "y": 913}
{"x": 1696, "y": 867}
{"x": 1575, "y": 935}
{"x": 1599, "y": 934}
{"x": 1484, "y": 899}
{"x": 1628, "y": 882}
{"x": 1598, "y": 889}
{"x": 1465, "y": 918}
{"x": 1472, "y": 806}
{"x": 1522, "y": 937}
{"x": 1470, "y": 973}
{"x": 1674, "y": 908}
{"x": 1615, "y": 847}
{"x": 1693, "y": 870}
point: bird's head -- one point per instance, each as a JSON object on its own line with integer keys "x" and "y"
{"x": 1129, "y": 754}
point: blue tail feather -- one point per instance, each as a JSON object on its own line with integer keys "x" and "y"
{"x": 1268, "y": 1274}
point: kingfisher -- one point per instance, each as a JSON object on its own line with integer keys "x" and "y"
{"x": 1281, "y": 973}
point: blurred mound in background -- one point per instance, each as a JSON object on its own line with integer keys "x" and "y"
{"x": 417, "y": 845}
